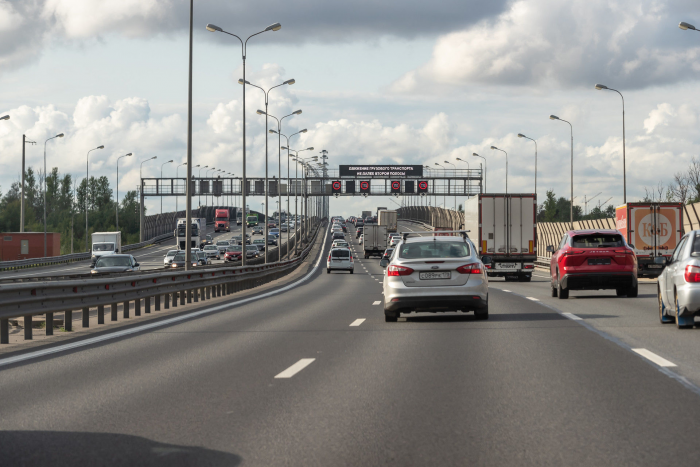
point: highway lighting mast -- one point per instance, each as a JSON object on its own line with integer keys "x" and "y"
{"x": 244, "y": 47}
{"x": 60, "y": 135}
{"x": 600, "y": 87}
{"x": 571, "y": 214}
{"x": 87, "y": 192}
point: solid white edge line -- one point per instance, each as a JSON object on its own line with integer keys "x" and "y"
{"x": 533, "y": 299}
{"x": 165, "y": 322}
{"x": 572, "y": 316}
{"x": 296, "y": 368}
{"x": 654, "y": 358}
{"x": 504, "y": 290}
{"x": 357, "y": 322}
{"x": 378, "y": 302}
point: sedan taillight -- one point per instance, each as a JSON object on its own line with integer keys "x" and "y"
{"x": 692, "y": 273}
{"x": 394, "y": 270}
{"x": 471, "y": 268}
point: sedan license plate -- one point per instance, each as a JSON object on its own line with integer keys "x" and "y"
{"x": 434, "y": 275}
{"x": 506, "y": 266}
{"x": 655, "y": 266}
{"x": 598, "y": 261}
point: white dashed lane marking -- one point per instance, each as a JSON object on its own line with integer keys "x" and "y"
{"x": 506, "y": 290}
{"x": 651, "y": 356}
{"x": 378, "y": 302}
{"x": 296, "y": 368}
{"x": 572, "y": 316}
{"x": 533, "y": 299}
{"x": 357, "y": 322}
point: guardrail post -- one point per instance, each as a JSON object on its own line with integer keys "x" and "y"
{"x": 189, "y": 295}
{"x": 49, "y": 324}
{"x": 4, "y": 331}
{"x": 208, "y": 292}
{"x": 114, "y": 311}
{"x": 28, "y": 327}
{"x": 166, "y": 297}
{"x": 68, "y": 320}
{"x": 182, "y": 297}
{"x": 86, "y": 317}
{"x": 158, "y": 302}
{"x": 174, "y": 299}
{"x": 126, "y": 309}
{"x": 100, "y": 314}
{"x": 195, "y": 295}
{"x": 147, "y": 305}
{"x": 137, "y": 307}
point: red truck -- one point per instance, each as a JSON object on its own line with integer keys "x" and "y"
{"x": 653, "y": 230}
{"x": 221, "y": 222}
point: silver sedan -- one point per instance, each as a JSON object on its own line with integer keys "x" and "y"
{"x": 679, "y": 283}
{"x": 435, "y": 274}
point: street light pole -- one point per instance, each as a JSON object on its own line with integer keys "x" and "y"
{"x": 21, "y": 204}
{"x": 600, "y": 87}
{"x": 571, "y": 214}
{"x": 296, "y": 189}
{"x": 244, "y": 46}
{"x": 199, "y": 176}
{"x": 142, "y": 198}
{"x": 161, "y": 184}
{"x": 87, "y": 193}
{"x": 444, "y": 196}
{"x": 484, "y": 173}
{"x": 520, "y": 135}
{"x": 60, "y": 135}
{"x": 267, "y": 179}
{"x": 494, "y": 147}
{"x": 468, "y": 187}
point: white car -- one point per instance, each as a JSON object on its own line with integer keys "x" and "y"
{"x": 340, "y": 244}
{"x": 340, "y": 259}
{"x": 394, "y": 239}
{"x": 362, "y": 237}
{"x": 678, "y": 286}
{"x": 168, "y": 258}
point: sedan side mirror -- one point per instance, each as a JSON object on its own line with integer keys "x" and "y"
{"x": 136, "y": 265}
{"x": 632, "y": 246}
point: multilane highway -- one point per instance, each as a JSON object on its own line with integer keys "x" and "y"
{"x": 314, "y": 376}
{"x": 149, "y": 258}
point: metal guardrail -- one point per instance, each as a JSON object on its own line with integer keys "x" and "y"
{"x": 26, "y": 263}
{"x": 26, "y": 299}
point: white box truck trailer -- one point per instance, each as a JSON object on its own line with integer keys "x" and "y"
{"x": 105, "y": 244}
{"x": 388, "y": 219}
{"x": 374, "y": 240}
{"x": 503, "y": 228}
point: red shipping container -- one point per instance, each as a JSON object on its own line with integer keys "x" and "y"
{"x": 26, "y": 245}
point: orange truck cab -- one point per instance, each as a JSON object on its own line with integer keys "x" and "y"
{"x": 221, "y": 222}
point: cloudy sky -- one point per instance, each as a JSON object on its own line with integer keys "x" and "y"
{"x": 390, "y": 81}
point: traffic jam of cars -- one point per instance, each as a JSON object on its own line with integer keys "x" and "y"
{"x": 444, "y": 270}
{"x": 107, "y": 257}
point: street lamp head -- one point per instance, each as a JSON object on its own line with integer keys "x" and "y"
{"x": 290, "y": 81}
{"x": 284, "y": 147}
{"x": 457, "y": 158}
{"x": 169, "y": 161}
{"x": 600, "y": 86}
{"x": 303, "y": 131}
{"x": 274, "y": 27}
{"x": 197, "y": 165}
{"x": 241, "y": 81}
{"x": 310, "y": 149}
{"x": 260, "y": 112}
{"x": 213, "y": 28}
{"x": 685, "y": 26}
{"x": 100, "y": 147}
{"x": 475, "y": 154}
{"x": 272, "y": 131}
{"x": 553, "y": 117}
{"x": 520, "y": 135}
{"x": 126, "y": 155}
{"x": 297, "y": 112}
{"x": 494, "y": 147}
{"x": 5, "y": 117}
{"x": 60, "y": 135}
{"x": 446, "y": 162}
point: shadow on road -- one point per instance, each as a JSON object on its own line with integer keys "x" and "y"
{"x": 493, "y": 317}
{"x": 29, "y": 448}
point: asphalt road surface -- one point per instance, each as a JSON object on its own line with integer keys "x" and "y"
{"x": 314, "y": 376}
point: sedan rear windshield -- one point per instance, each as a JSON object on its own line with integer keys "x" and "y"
{"x": 211, "y": 248}
{"x": 597, "y": 241}
{"x": 434, "y": 249}
{"x": 111, "y": 261}
{"x": 340, "y": 253}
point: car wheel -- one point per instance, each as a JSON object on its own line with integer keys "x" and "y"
{"x": 482, "y": 313}
{"x": 563, "y": 293}
{"x": 633, "y": 291}
{"x": 328, "y": 271}
{"x": 681, "y": 322}
{"x": 554, "y": 290}
{"x": 663, "y": 317}
{"x": 620, "y": 292}
{"x": 391, "y": 316}
{"x": 352, "y": 271}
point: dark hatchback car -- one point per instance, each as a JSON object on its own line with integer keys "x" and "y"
{"x": 359, "y": 231}
{"x": 115, "y": 263}
{"x": 593, "y": 260}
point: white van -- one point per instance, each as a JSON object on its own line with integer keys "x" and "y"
{"x": 340, "y": 259}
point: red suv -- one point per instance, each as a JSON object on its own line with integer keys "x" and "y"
{"x": 593, "y": 260}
